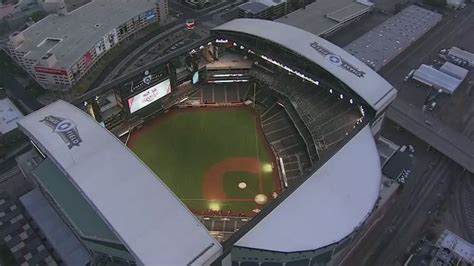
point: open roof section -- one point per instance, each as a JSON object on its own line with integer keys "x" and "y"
{"x": 369, "y": 85}
{"x": 328, "y": 206}
{"x": 143, "y": 213}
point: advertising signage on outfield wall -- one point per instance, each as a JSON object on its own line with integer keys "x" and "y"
{"x": 149, "y": 96}
{"x": 51, "y": 71}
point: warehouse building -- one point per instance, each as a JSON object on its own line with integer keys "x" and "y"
{"x": 436, "y": 79}
{"x": 324, "y": 17}
{"x": 62, "y": 48}
{"x": 458, "y": 56}
{"x": 270, "y": 9}
{"x": 379, "y": 46}
{"x": 454, "y": 70}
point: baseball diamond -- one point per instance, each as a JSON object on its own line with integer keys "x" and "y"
{"x": 203, "y": 154}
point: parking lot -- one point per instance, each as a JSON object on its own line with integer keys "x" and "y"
{"x": 455, "y": 111}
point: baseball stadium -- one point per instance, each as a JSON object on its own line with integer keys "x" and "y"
{"x": 255, "y": 147}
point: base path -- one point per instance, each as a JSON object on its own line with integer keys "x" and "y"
{"x": 213, "y": 181}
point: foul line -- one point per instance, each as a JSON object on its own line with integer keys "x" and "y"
{"x": 220, "y": 200}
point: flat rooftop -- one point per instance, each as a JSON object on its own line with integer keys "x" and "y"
{"x": 253, "y": 7}
{"x": 383, "y": 43}
{"x": 9, "y": 115}
{"x": 455, "y": 243}
{"x": 324, "y": 15}
{"x": 439, "y": 80}
{"x": 75, "y": 33}
{"x": 257, "y": 6}
{"x": 61, "y": 238}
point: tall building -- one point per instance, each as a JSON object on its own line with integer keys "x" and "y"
{"x": 62, "y": 48}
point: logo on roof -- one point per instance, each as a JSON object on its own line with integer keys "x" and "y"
{"x": 337, "y": 60}
{"x": 65, "y": 128}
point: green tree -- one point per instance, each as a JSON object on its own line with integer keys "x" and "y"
{"x": 38, "y": 15}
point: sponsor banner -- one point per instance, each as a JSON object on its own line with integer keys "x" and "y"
{"x": 87, "y": 59}
{"x": 110, "y": 39}
{"x": 51, "y": 71}
{"x": 99, "y": 48}
{"x": 149, "y": 96}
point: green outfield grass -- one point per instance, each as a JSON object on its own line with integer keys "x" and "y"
{"x": 181, "y": 147}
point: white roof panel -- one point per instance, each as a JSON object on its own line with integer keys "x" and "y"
{"x": 147, "y": 217}
{"x": 457, "y": 244}
{"x": 9, "y": 115}
{"x": 463, "y": 54}
{"x": 374, "y": 89}
{"x": 326, "y": 208}
{"x": 324, "y": 16}
{"x": 454, "y": 70}
{"x": 439, "y": 80}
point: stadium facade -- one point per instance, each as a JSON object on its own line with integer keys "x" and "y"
{"x": 62, "y": 48}
{"x": 331, "y": 105}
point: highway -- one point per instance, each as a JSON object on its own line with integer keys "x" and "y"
{"x": 449, "y": 126}
{"x": 448, "y": 141}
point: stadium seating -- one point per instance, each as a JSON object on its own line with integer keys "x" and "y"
{"x": 327, "y": 117}
{"x": 301, "y": 121}
{"x": 281, "y": 132}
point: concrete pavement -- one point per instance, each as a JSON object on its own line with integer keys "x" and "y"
{"x": 16, "y": 90}
{"x": 447, "y": 127}
{"x": 449, "y": 142}
{"x": 135, "y": 54}
{"x": 389, "y": 237}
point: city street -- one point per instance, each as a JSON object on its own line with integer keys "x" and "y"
{"x": 174, "y": 33}
{"x": 408, "y": 219}
{"x": 455, "y": 111}
{"x": 16, "y": 90}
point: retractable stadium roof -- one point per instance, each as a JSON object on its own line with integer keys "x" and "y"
{"x": 154, "y": 225}
{"x": 369, "y": 85}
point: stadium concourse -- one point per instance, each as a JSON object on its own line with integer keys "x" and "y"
{"x": 317, "y": 106}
